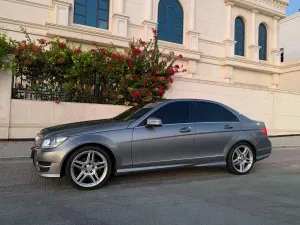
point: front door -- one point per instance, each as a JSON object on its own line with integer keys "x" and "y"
{"x": 216, "y": 127}
{"x": 169, "y": 144}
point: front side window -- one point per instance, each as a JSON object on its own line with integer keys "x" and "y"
{"x": 174, "y": 113}
{"x": 262, "y": 42}
{"x": 239, "y": 36}
{"x": 94, "y": 13}
{"x": 135, "y": 113}
{"x": 210, "y": 112}
{"x": 170, "y": 21}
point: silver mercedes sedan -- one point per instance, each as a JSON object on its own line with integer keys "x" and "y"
{"x": 167, "y": 134}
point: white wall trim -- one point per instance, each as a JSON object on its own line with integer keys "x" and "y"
{"x": 21, "y": 23}
{"x": 288, "y": 18}
{"x": 207, "y": 41}
{"x": 30, "y": 3}
{"x": 235, "y": 85}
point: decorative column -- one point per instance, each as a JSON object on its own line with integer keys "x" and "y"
{"x": 61, "y": 12}
{"x": 229, "y": 40}
{"x": 192, "y": 9}
{"x": 192, "y": 68}
{"x": 275, "y": 80}
{"x": 253, "y": 47}
{"x": 275, "y": 53}
{"x": 228, "y": 74}
{"x": 149, "y": 23}
{"x": 120, "y": 20}
{"x": 192, "y": 37}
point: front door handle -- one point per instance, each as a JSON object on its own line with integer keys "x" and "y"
{"x": 228, "y": 127}
{"x": 185, "y": 130}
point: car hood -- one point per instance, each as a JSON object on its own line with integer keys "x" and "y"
{"x": 92, "y": 126}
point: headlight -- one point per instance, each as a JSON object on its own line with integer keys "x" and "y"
{"x": 53, "y": 142}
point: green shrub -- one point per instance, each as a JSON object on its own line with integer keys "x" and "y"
{"x": 134, "y": 76}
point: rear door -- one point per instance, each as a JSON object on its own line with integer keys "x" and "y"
{"x": 215, "y": 128}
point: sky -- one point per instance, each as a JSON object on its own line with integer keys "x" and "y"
{"x": 293, "y": 7}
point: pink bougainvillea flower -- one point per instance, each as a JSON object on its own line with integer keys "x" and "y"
{"x": 77, "y": 51}
{"x": 154, "y": 79}
{"x": 161, "y": 90}
{"x": 27, "y": 62}
{"x": 171, "y": 71}
{"x": 61, "y": 45}
{"x": 42, "y": 41}
{"x": 61, "y": 60}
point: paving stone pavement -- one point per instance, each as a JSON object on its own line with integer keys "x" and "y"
{"x": 15, "y": 149}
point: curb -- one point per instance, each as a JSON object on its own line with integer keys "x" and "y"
{"x": 287, "y": 146}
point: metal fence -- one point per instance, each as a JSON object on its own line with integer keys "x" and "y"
{"x": 23, "y": 88}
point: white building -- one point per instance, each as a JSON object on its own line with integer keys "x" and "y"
{"x": 230, "y": 47}
{"x": 289, "y": 36}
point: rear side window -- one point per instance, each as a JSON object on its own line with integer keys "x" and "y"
{"x": 228, "y": 116}
{"x": 210, "y": 112}
{"x": 173, "y": 113}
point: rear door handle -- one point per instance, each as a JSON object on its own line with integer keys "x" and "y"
{"x": 228, "y": 127}
{"x": 185, "y": 130}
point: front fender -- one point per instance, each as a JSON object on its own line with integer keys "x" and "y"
{"x": 94, "y": 139}
{"x": 118, "y": 142}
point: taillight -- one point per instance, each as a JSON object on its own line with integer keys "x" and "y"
{"x": 265, "y": 131}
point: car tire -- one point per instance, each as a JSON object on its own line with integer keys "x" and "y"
{"x": 240, "y": 159}
{"x": 88, "y": 168}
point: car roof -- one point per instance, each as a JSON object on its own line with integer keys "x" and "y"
{"x": 193, "y": 99}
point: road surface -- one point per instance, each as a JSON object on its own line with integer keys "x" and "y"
{"x": 270, "y": 194}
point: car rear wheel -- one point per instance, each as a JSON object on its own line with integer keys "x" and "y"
{"x": 240, "y": 159}
{"x": 89, "y": 168}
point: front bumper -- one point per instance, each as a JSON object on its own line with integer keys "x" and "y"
{"x": 48, "y": 162}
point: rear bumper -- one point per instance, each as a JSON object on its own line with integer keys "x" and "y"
{"x": 263, "y": 153}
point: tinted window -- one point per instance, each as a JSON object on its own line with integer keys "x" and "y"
{"x": 172, "y": 113}
{"x": 210, "y": 112}
{"x": 228, "y": 116}
{"x": 135, "y": 113}
{"x": 207, "y": 112}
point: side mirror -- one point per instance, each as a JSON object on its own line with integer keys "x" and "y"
{"x": 153, "y": 122}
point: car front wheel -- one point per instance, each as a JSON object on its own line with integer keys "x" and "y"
{"x": 89, "y": 167}
{"x": 240, "y": 159}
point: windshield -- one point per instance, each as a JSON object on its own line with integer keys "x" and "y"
{"x": 135, "y": 113}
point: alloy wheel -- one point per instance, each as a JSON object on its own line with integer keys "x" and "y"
{"x": 242, "y": 159}
{"x": 89, "y": 168}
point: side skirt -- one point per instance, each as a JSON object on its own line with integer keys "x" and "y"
{"x": 154, "y": 168}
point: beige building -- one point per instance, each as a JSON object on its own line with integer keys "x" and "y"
{"x": 230, "y": 50}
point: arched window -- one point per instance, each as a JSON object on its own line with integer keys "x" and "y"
{"x": 239, "y": 36}
{"x": 170, "y": 21}
{"x": 262, "y": 41}
{"x": 94, "y": 13}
